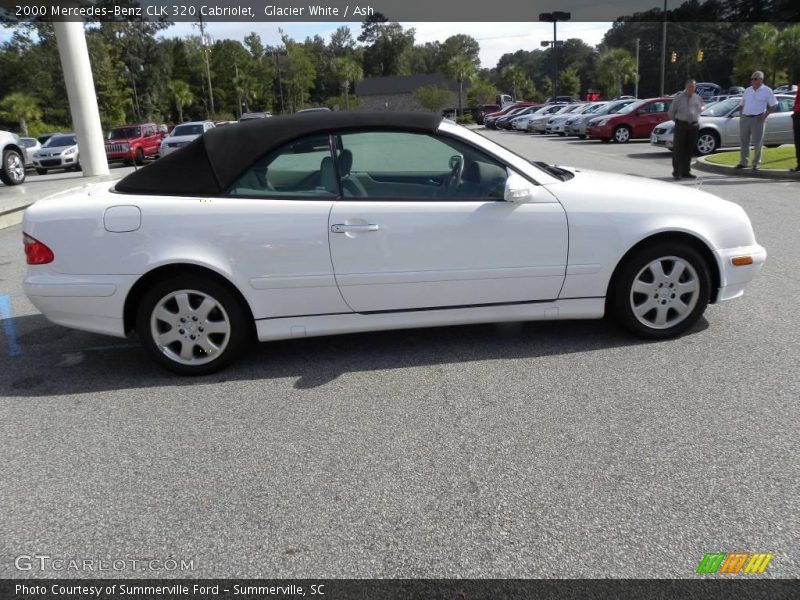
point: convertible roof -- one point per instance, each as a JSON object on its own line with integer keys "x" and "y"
{"x": 214, "y": 161}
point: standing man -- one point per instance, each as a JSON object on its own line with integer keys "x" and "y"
{"x": 796, "y": 127}
{"x": 757, "y": 102}
{"x": 685, "y": 110}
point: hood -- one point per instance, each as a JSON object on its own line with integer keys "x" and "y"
{"x": 181, "y": 138}
{"x": 55, "y": 149}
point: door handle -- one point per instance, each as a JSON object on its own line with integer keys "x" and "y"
{"x": 342, "y": 228}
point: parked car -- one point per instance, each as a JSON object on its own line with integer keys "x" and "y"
{"x": 299, "y": 240}
{"x": 635, "y": 121}
{"x": 708, "y": 90}
{"x": 718, "y": 126}
{"x": 59, "y": 152}
{"x": 183, "y": 134}
{"x": 484, "y": 110}
{"x": 505, "y": 122}
{"x": 786, "y": 89}
{"x": 558, "y": 123}
{"x": 539, "y": 124}
{"x": 720, "y": 98}
{"x": 254, "y": 115}
{"x": 576, "y": 125}
{"x": 133, "y": 143}
{"x": 520, "y": 123}
{"x": 313, "y": 109}
{"x": 30, "y": 146}
{"x": 490, "y": 119}
{"x": 12, "y": 155}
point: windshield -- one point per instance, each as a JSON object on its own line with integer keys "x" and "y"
{"x": 187, "y": 130}
{"x": 630, "y": 107}
{"x": 58, "y": 141}
{"x": 720, "y": 109}
{"x": 124, "y": 133}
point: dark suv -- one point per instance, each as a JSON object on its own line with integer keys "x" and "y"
{"x": 133, "y": 143}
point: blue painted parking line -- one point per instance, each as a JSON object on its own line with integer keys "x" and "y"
{"x": 6, "y": 315}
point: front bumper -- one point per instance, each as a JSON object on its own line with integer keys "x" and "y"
{"x": 663, "y": 140}
{"x": 56, "y": 162}
{"x": 603, "y": 132}
{"x": 734, "y": 279}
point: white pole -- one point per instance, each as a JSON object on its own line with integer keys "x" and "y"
{"x": 636, "y": 85}
{"x": 82, "y": 97}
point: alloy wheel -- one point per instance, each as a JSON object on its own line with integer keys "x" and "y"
{"x": 664, "y": 292}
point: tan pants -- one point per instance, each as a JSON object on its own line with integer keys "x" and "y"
{"x": 751, "y": 128}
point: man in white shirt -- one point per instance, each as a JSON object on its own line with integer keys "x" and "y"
{"x": 758, "y": 102}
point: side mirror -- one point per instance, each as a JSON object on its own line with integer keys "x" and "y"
{"x": 518, "y": 189}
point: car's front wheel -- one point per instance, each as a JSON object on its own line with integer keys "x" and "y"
{"x": 622, "y": 134}
{"x": 12, "y": 171}
{"x": 139, "y": 157}
{"x": 192, "y": 325}
{"x": 661, "y": 291}
{"x": 707, "y": 143}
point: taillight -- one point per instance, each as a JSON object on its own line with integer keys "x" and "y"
{"x": 36, "y": 252}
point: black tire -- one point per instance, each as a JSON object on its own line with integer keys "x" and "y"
{"x": 681, "y": 301}
{"x": 581, "y": 137}
{"x": 227, "y": 312}
{"x": 622, "y": 134}
{"x": 12, "y": 170}
{"x": 139, "y": 160}
{"x": 41, "y": 171}
{"x": 707, "y": 143}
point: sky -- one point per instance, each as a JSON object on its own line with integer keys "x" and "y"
{"x": 495, "y": 39}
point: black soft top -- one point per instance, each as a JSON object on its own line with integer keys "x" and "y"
{"x": 213, "y": 162}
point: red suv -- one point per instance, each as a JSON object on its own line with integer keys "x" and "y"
{"x": 133, "y": 143}
{"x": 635, "y": 121}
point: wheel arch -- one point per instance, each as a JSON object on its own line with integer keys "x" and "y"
{"x": 162, "y": 272}
{"x": 671, "y": 236}
{"x": 15, "y": 148}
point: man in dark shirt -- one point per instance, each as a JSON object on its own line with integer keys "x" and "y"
{"x": 685, "y": 110}
{"x": 796, "y": 127}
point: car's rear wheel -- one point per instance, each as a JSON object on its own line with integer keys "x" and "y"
{"x": 622, "y": 134}
{"x": 707, "y": 143}
{"x": 661, "y": 291}
{"x": 192, "y": 325}
{"x": 140, "y": 157}
{"x": 12, "y": 171}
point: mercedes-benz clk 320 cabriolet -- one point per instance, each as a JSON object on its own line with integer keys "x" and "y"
{"x": 338, "y": 222}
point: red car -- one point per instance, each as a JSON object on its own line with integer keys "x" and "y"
{"x": 133, "y": 143}
{"x": 635, "y": 121}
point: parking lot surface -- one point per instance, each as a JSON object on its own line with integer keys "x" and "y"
{"x": 559, "y": 449}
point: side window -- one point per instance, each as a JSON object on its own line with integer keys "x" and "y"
{"x": 300, "y": 169}
{"x": 402, "y": 165}
{"x": 785, "y": 104}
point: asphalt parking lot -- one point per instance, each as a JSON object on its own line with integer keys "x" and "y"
{"x": 559, "y": 449}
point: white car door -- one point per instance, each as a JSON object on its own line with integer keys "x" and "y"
{"x": 423, "y": 224}
{"x": 778, "y": 127}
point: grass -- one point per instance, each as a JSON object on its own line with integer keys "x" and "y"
{"x": 781, "y": 159}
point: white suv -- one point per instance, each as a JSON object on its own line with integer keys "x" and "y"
{"x": 12, "y": 153}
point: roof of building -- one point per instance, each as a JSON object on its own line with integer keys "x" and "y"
{"x": 402, "y": 84}
{"x": 214, "y": 161}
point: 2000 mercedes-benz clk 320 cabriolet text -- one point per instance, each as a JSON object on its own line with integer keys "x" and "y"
{"x": 330, "y": 223}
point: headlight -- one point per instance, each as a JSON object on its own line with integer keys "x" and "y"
{"x": 603, "y": 122}
{"x": 70, "y": 151}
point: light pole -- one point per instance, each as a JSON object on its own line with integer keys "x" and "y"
{"x": 206, "y": 49}
{"x": 554, "y": 18}
{"x": 663, "y": 49}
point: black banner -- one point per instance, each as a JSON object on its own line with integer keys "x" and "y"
{"x": 399, "y": 589}
{"x": 15, "y": 11}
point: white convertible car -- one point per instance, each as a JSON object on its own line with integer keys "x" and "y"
{"x": 342, "y": 222}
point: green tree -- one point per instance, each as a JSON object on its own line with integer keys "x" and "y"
{"x": 181, "y": 95}
{"x": 386, "y": 45}
{"x": 789, "y": 51}
{"x": 570, "y": 82}
{"x": 299, "y": 73}
{"x": 22, "y": 108}
{"x": 433, "y": 98}
{"x": 514, "y": 80}
{"x": 462, "y": 69}
{"x": 759, "y": 50}
{"x": 481, "y": 91}
{"x": 615, "y": 67}
{"x": 348, "y": 71}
